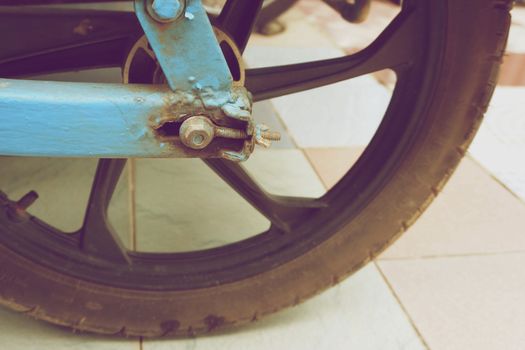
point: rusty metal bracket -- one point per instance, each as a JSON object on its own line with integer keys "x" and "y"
{"x": 39, "y": 118}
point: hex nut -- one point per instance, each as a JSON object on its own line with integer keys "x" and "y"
{"x": 197, "y": 132}
{"x": 165, "y": 11}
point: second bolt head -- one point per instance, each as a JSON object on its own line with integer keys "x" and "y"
{"x": 166, "y": 10}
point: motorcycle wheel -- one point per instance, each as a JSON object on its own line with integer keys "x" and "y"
{"x": 446, "y": 56}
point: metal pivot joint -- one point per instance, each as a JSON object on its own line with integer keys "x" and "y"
{"x": 166, "y": 11}
{"x": 198, "y": 132}
{"x": 215, "y": 119}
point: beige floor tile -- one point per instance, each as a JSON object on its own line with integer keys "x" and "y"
{"x": 300, "y": 31}
{"x": 512, "y": 71}
{"x": 500, "y": 143}
{"x": 346, "y": 114}
{"x": 360, "y": 313}
{"x": 285, "y": 172}
{"x": 180, "y": 202}
{"x": 19, "y": 332}
{"x": 182, "y": 205}
{"x": 263, "y": 56}
{"x": 473, "y": 215}
{"x": 516, "y": 43}
{"x": 264, "y": 113}
{"x": 474, "y": 302}
{"x": 331, "y": 164}
{"x": 347, "y": 35}
{"x": 62, "y": 184}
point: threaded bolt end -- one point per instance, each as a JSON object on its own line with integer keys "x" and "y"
{"x": 271, "y": 135}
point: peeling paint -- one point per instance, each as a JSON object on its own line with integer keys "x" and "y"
{"x": 189, "y": 15}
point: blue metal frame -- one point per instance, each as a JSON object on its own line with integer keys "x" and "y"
{"x": 111, "y": 120}
{"x": 39, "y": 118}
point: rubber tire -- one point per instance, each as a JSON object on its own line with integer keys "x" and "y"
{"x": 476, "y": 36}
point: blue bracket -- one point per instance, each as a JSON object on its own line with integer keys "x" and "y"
{"x": 187, "y": 49}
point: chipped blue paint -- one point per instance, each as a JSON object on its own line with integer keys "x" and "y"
{"x": 39, "y": 118}
{"x": 187, "y": 49}
{"x": 189, "y": 15}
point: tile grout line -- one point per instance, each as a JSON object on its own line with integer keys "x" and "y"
{"x": 282, "y": 123}
{"x": 494, "y": 177}
{"x": 466, "y": 255}
{"x": 296, "y": 145}
{"x": 314, "y": 168}
{"x": 412, "y": 323}
{"x": 323, "y": 31}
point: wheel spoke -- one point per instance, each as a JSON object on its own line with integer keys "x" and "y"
{"x": 44, "y": 40}
{"x": 97, "y": 236}
{"x": 283, "y": 212}
{"x": 238, "y": 18}
{"x": 397, "y": 46}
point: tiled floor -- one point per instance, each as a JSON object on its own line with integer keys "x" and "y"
{"x": 453, "y": 281}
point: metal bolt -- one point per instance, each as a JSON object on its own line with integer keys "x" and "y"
{"x": 26, "y": 201}
{"x": 17, "y": 211}
{"x": 198, "y": 132}
{"x": 166, "y": 10}
{"x": 264, "y": 137}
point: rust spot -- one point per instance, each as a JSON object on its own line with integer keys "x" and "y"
{"x": 213, "y": 322}
{"x": 84, "y": 27}
{"x": 169, "y": 327}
